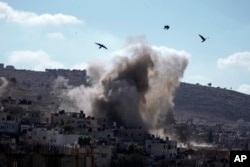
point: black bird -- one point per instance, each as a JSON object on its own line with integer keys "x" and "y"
{"x": 166, "y": 27}
{"x": 101, "y": 46}
{"x": 203, "y": 38}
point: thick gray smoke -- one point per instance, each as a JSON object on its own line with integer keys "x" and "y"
{"x": 3, "y": 85}
{"x": 138, "y": 90}
{"x": 124, "y": 89}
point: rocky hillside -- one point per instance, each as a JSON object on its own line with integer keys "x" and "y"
{"x": 213, "y": 104}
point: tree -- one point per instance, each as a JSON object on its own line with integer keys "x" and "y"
{"x": 133, "y": 156}
{"x": 61, "y": 123}
{"x": 134, "y": 149}
{"x": 84, "y": 140}
{"x": 67, "y": 128}
{"x": 209, "y": 84}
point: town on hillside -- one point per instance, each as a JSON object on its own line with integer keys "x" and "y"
{"x": 36, "y": 132}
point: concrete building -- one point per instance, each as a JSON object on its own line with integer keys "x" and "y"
{"x": 161, "y": 148}
{"x": 131, "y": 134}
{"x": 9, "y": 123}
{"x": 51, "y": 137}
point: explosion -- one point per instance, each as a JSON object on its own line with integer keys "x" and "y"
{"x": 137, "y": 91}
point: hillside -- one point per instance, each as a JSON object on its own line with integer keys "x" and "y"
{"x": 213, "y": 104}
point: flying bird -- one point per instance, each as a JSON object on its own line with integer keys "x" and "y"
{"x": 166, "y": 27}
{"x": 101, "y": 46}
{"x": 203, "y": 38}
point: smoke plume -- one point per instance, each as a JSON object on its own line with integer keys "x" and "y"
{"x": 3, "y": 85}
{"x": 137, "y": 91}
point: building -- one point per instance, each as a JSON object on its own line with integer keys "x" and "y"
{"x": 158, "y": 147}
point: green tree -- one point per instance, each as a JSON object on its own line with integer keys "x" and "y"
{"x": 61, "y": 123}
{"x": 84, "y": 140}
{"x": 133, "y": 156}
{"x": 135, "y": 149}
{"x": 67, "y": 128}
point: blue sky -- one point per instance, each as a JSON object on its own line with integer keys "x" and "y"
{"x": 38, "y": 34}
